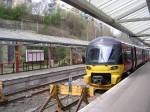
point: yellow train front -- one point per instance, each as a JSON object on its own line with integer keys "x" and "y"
{"x": 106, "y": 61}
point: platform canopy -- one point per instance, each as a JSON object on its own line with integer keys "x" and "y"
{"x": 12, "y": 36}
{"x": 129, "y": 16}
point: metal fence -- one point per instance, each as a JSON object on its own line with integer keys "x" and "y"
{"x": 7, "y": 68}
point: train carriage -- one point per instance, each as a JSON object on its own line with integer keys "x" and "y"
{"x": 107, "y": 59}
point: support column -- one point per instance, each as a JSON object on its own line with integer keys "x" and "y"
{"x": 71, "y": 50}
{"x": 49, "y": 57}
{"x": 17, "y": 58}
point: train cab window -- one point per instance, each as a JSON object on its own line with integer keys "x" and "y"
{"x": 104, "y": 54}
{"x": 93, "y": 55}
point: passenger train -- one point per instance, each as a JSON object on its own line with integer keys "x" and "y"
{"x": 108, "y": 59}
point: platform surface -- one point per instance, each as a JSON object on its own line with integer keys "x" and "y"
{"x": 130, "y": 95}
{"x": 36, "y": 72}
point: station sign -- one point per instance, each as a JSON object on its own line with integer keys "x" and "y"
{"x": 34, "y": 55}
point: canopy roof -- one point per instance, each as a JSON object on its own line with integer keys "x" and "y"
{"x": 132, "y": 14}
{"x": 129, "y": 16}
{"x": 33, "y": 38}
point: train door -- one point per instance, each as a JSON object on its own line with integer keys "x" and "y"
{"x": 127, "y": 57}
{"x": 139, "y": 56}
{"x": 134, "y": 58}
{"x": 143, "y": 56}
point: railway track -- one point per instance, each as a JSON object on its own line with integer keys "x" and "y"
{"x": 34, "y": 91}
{"x": 38, "y": 91}
{"x": 73, "y": 100}
{"x": 45, "y": 88}
{"x": 51, "y": 104}
{"x": 18, "y": 86}
{"x": 29, "y": 93}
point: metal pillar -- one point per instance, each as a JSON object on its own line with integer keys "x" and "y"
{"x": 71, "y": 50}
{"x": 148, "y": 4}
{"x": 101, "y": 28}
{"x": 17, "y": 56}
{"x": 49, "y": 57}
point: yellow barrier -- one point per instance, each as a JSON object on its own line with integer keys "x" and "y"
{"x": 2, "y": 97}
{"x": 56, "y": 90}
{"x": 73, "y": 90}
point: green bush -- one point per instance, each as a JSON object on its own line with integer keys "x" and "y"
{"x": 15, "y": 13}
{"x": 4, "y": 12}
{"x": 61, "y": 53}
{"x": 52, "y": 19}
{"x": 19, "y": 11}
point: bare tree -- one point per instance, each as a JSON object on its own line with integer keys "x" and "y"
{"x": 39, "y": 8}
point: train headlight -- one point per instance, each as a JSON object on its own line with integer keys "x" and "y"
{"x": 114, "y": 68}
{"x": 88, "y": 67}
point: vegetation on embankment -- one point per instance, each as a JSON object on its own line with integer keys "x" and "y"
{"x": 15, "y": 13}
{"x": 61, "y": 23}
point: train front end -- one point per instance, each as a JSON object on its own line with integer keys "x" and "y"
{"x": 104, "y": 66}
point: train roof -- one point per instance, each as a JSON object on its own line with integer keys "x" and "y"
{"x": 112, "y": 40}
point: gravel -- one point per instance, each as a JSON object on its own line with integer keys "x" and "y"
{"x": 32, "y": 103}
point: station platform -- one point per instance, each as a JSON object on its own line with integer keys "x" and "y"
{"x": 131, "y": 95}
{"x": 13, "y": 83}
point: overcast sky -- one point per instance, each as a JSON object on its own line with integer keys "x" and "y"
{"x": 36, "y": 0}
{"x": 41, "y": 0}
